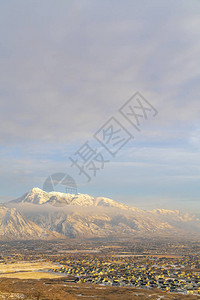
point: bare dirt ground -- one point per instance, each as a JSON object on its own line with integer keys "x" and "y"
{"x": 60, "y": 289}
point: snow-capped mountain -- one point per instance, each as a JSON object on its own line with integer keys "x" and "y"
{"x": 38, "y": 196}
{"x": 14, "y": 226}
{"x": 83, "y": 216}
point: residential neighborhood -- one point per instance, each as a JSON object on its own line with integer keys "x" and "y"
{"x": 166, "y": 273}
{"x": 154, "y": 266}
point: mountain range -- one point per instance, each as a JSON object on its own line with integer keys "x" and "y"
{"x": 54, "y": 215}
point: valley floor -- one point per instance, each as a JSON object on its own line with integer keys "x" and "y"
{"x": 139, "y": 269}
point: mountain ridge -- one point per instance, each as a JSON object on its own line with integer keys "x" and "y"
{"x": 83, "y": 216}
{"x": 15, "y": 226}
{"x": 38, "y": 196}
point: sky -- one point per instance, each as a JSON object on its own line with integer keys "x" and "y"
{"x": 67, "y": 67}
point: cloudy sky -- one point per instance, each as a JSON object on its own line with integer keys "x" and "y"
{"x": 66, "y": 69}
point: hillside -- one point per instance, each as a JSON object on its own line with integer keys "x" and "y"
{"x": 14, "y": 226}
{"x": 83, "y": 216}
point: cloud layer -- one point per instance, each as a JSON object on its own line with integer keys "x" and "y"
{"x": 66, "y": 67}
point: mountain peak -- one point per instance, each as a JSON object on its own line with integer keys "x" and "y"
{"x": 40, "y": 197}
{"x": 35, "y": 190}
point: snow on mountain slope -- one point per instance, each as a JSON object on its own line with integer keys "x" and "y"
{"x": 92, "y": 221}
{"x": 106, "y": 202}
{"x": 84, "y": 216}
{"x": 38, "y": 196}
{"x": 14, "y": 226}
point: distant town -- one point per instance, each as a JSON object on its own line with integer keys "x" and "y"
{"x": 172, "y": 268}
